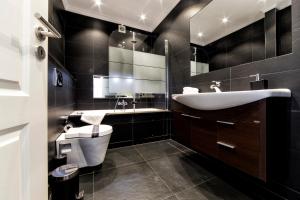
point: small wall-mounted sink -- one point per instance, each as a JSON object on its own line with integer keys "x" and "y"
{"x": 223, "y": 100}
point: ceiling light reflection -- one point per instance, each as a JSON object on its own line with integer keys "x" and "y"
{"x": 143, "y": 17}
{"x": 225, "y": 20}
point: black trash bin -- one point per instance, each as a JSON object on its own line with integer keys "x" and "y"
{"x": 64, "y": 182}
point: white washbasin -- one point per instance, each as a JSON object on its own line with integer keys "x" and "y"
{"x": 223, "y": 100}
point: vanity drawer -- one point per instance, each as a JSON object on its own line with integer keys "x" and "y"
{"x": 243, "y": 159}
{"x": 243, "y": 135}
{"x": 242, "y": 145}
{"x": 204, "y": 137}
{"x": 181, "y": 126}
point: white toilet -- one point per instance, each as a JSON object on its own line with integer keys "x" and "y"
{"x": 85, "y": 146}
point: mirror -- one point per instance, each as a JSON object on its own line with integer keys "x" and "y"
{"x": 228, "y": 33}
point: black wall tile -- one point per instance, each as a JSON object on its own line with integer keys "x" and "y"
{"x": 84, "y": 81}
{"x": 78, "y": 35}
{"x": 87, "y": 41}
{"x": 239, "y": 84}
{"x": 84, "y": 106}
{"x": 60, "y": 102}
{"x": 56, "y": 47}
{"x": 218, "y": 75}
{"x": 270, "y": 33}
{"x": 287, "y": 79}
{"x": 101, "y": 67}
{"x": 84, "y": 96}
{"x": 78, "y": 50}
{"x": 175, "y": 28}
{"x": 80, "y": 65}
{"x": 284, "y": 32}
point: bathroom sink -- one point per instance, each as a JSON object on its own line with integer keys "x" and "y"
{"x": 223, "y": 100}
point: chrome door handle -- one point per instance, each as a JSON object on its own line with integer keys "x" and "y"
{"x": 226, "y": 145}
{"x": 41, "y": 33}
{"x": 190, "y": 116}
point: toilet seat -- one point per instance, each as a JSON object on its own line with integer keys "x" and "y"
{"x": 87, "y": 131}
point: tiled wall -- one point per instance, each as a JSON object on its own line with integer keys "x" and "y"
{"x": 87, "y": 41}
{"x": 175, "y": 28}
{"x": 60, "y": 99}
{"x": 281, "y": 72}
{"x": 87, "y": 54}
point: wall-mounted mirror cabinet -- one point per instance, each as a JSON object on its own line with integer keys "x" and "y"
{"x": 227, "y": 33}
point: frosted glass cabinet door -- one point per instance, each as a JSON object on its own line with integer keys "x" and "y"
{"x": 120, "y": 70}
{"x": 121, "y": 86}
{"x": 120, "y": 55}
{"x": 147, "y": 59}
{"x": 193, "y": 68}
{"x": 145, "y": 86}
{"x": 202, "y": 68}
{"x": 149, "y": 73}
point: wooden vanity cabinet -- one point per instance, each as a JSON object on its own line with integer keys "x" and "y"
{"x": 181, "y": 128}
{"x": 236, "y": 136}
{"x": 204, "y": 136}
{"x": 241, "y": 139}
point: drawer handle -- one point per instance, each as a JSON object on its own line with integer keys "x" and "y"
{"x": 226, "y": 145}
{"x": 226, "y": 123}
{"x": 190, "y": 116}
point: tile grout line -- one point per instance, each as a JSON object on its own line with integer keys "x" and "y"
{"x": 144, "y": 160}
{"x": 124, "y": 165}
{"x": 173, "y": 193}
{"x": 194, "y": 186}
{"x": 163, "y": 181}
{"x": 267, "y": 74}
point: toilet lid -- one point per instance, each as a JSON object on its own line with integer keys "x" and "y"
{"x": 87, "y": 131}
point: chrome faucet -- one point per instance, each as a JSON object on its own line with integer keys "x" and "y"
{"x": 123, "y": 103}
{"x": 257, "y": 76}
{"x": 216, "y": 86}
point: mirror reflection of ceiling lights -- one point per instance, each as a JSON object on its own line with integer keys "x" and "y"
{"x": 231, "y": 15}
{"x": 143, "y": 17}
{"x": 98, "y": 3}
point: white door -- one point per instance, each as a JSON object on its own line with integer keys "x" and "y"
{"x": 23, "y": 103}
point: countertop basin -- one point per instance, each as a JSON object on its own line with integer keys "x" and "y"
{"x": 223, "y": 100}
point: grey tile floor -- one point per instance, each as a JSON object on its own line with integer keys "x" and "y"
{"x": 163, "y": 170}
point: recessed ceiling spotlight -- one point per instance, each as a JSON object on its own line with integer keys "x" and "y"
{"x": 200, "y": 34}
{"x": 225, "y": 20}
{"x": 98, "y": 3}
{"x": 143, "y": 17}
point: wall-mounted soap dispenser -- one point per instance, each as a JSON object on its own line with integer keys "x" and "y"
{"x": 258, "y": 84}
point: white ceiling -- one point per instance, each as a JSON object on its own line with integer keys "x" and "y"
{"x": 240, "y": 13}
{"x": 125, "y": 12}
